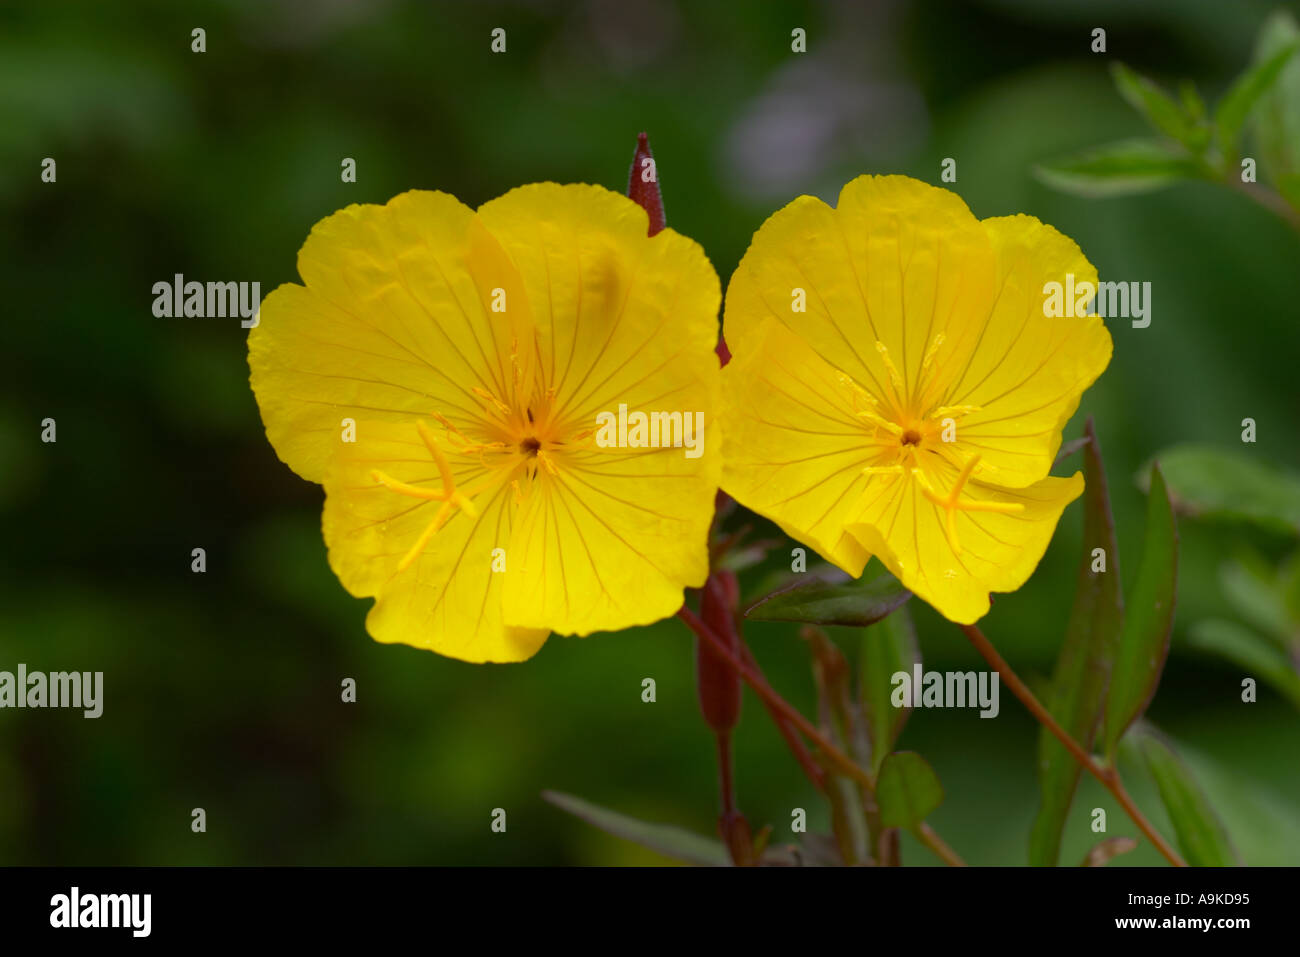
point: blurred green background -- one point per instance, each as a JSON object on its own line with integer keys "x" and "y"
{"x": 222, "y": 689}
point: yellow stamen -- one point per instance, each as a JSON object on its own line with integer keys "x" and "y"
{"x": 953, "y": 503}
{"x": 449, "y": 495}
{"x": 880, "y": 422}
{"x": 917, "y": 470}
{"x": 415, "y": 491}
{"x": 894, "y": 377}
{"x": 491, "y": 400}
{"x": 953, "y": 410}
{"x": 523, "y": 369}
{"x": 446, "y": 424}
{"x": 932, "y": 350}
{"x": 444, "y": 469}
{"x": 856, "y": 392}
{"x": 883, "y": 470}
{"x": 429, "y": 531}
{"x": 463, "y": 445}
{"x": 928, "y": 381}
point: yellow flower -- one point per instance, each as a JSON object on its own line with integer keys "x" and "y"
{"x": 441, "y": 373}
{"x": 912, "y": 410}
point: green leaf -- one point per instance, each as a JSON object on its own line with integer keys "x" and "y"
{"x": 1231, "y": 113}
{"x": 888, "y": 647}
{"x": 907, "y": 790}
{"x": 1288, "y": 582}
{"x": 1288, "y": 184}
{"x": 1200, "y": 834}
{"x": 666, "y": 839}
{"x": 1193, "y": 105}
{"x": 1120, "y": 169}
{"x": 1277, "y": 123}
{"x": 1083, "y": 667}
{"x": 1153, "y": 103}
{"x": 848, "y": 820}
{"x": 833, "y": 677}
{"x": 1255, "y": 654}
{"x": 1148, "y": 620}
{"x": 855, "y": 603}
{"x": 842, "y": 721}
{"x": 1259, "y": 598}
{"x": 1211, "y": 482}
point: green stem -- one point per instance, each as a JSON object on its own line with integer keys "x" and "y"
{"x": 1273, "y": 201}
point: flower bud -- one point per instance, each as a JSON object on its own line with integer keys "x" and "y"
{"x": 643, "y": 184}
{"x": 719, "y": 684}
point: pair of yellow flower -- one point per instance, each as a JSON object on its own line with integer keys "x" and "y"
{"x": 895, "y": 390}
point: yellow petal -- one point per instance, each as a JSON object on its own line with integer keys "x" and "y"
{"x": 396, "y": 319}
{"x": 611, "y": 538}
{"x": 888, "y": 267}
{"x": 1022, "y": 370}
{"x": 449, "y": 598}
{"x": 998, "y": 552}
{"x": 608, "y": 537}
{"x": 621, "y": 317}
{"x": 794, "y": 449}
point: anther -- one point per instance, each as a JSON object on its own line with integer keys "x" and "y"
{"x": 894, "y": 377}
{"x": 932, "y": 350}
{"x": 491, "y": 400}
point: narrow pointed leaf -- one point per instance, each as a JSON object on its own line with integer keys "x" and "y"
{"x": 833, "y": 677}
{"x": 1257, "y": 656}
{"x": 848, "y": 823}
{"x": 1288, "y": 184}
{"x": 839, "y": 719}
{"x": 1068, "y": 449}
{"x": 666, "y": 839}
{"x": 1199, "y": 832}
{"x": 1120, "y": 169}
{"x": 855, "y": 603}
{"x": 1277, "y": 117}
{"x": 888, "y": 647}
{"x": 1148, "y": 618}
{"x": 1231, "y": 113}
{"x": 1155, "y": 105}
{"x": 1083, "y": 668}
{"x": 907, "y": 790}
{"x": 1288, "y": 580}
{"x": 1211, "y": 482}
{"x": 1252, "y": 587}
{"x": 1193, "y": 105}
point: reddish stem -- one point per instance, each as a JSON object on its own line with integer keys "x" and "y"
{"x": 1108, "y": 776}
{"x": 795, "y": 743}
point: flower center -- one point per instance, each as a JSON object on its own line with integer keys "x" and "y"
{"x": 900, "y": 419}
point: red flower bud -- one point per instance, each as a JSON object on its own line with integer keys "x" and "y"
{"x": 643, "y": 184}
{"x": 719, "y": 684}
